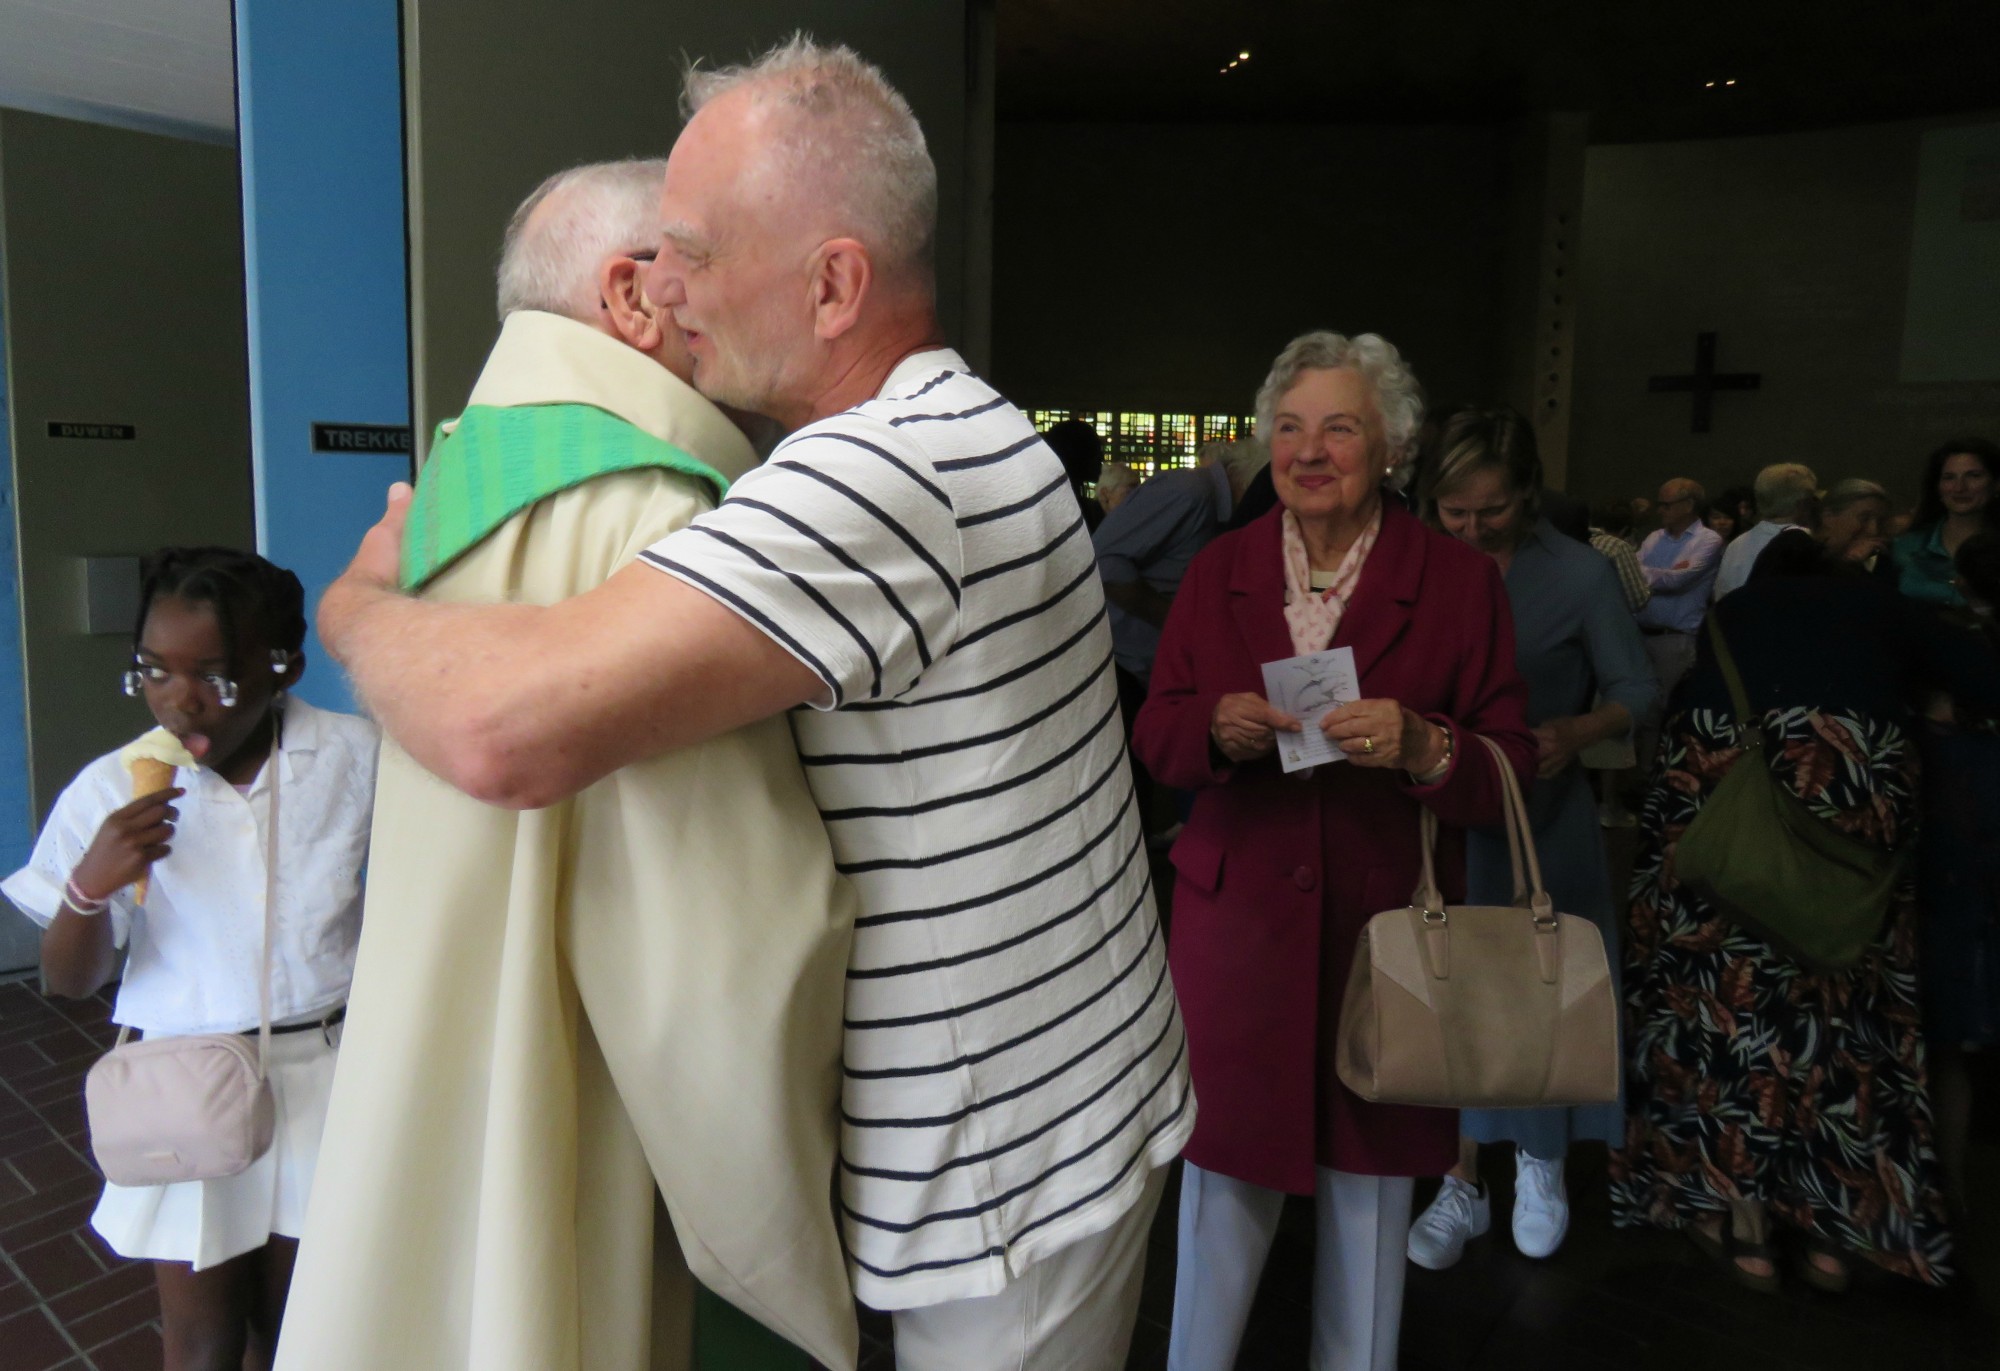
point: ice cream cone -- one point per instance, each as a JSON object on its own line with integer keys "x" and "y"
{"x": 152, "y": 758}
{"x": 150, "y": 775}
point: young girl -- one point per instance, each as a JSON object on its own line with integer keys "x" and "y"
{"x": 218, "y": 643}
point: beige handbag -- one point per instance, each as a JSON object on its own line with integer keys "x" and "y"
{"x": 1481, "y": 1008}
{"x": 193, "y": 1108}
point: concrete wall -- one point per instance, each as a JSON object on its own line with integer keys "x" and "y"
{"x": 124, "y": 303}
{"x": 500, "y": 93}
{"x": 1797, "y": 251}
{"x": 1150, "y": 266}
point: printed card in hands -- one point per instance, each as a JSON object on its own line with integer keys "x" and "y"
{"x": 1309, "y": 688}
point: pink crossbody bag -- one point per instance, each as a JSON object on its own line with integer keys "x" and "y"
{"x": 196, "y": 1107}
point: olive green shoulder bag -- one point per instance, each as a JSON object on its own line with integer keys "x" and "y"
{"x": 1772, "y": 865}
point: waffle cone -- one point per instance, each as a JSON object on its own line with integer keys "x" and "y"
{"x": 150, "y": 775}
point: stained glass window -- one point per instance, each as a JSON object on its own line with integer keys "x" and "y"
{"x": 1151, "y": 442}
{"x": 1177, "y": 442}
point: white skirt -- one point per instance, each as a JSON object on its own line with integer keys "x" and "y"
{"x": 208, "y": 1222}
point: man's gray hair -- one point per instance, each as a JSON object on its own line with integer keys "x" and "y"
{"x": 1114, "y": 477}
{"x": 1242, "y": 458}
{"x": 595, "y": 211}
{"x": 1684, "y": 485}
{"x": 1397, "y": 394}
{"x": 850, "y": 127}
{"x": 1784, "y": 489}
{"x": 1851, "y": 492}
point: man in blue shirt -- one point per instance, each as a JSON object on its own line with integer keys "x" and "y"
{"x": 1143, "y": 549}
{"x": 1144, "y": 546}
{"x": 1680, "y": 559}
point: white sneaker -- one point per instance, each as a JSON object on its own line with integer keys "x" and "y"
{"x": 1459, "y": 1213}
{"x": 1541, "y": 1209}
{"x": 1614, "y": 814}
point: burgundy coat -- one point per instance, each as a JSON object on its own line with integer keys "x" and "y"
{"x": 1277, "y": 875}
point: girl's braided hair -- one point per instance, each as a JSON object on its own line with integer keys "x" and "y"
{"x": 245, "y": 591}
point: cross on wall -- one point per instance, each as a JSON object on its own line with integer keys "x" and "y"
{"x": 1704, "y": 381}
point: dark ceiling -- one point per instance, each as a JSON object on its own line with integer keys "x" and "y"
{"x": 1640, "y": 69}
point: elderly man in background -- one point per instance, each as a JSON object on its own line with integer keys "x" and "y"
{"x": 1115, "y": 484}
{"x": 1680, "y": 559}
{"x": 554, "y": 1009}
{"x": 910, "y": 565}
{"x": 1144, "y": 549}
{"x": 1786, "y": 495}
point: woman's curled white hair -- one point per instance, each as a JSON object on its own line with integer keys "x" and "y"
{"x": 1397, "y": 394}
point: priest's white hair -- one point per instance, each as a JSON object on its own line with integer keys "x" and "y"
{"x": 852, "y": 137}
{"x": 549, "y": 261}
{"x": 1397, "y": 394}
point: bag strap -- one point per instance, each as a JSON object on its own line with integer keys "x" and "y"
{"x": 1739, "y": 698}
{"x": 1528, "y": 887}
{"x": 277, "y": 766}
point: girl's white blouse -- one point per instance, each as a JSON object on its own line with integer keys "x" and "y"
{"x": 196, "y": 946}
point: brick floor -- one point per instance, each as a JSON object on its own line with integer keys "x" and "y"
{"x": 66, "y": 1301}
{"x": 1608, "y": 1299}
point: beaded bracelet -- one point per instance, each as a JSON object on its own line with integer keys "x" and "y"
{"x": 81, "y": 902}
{"x": 1436, "y": 773}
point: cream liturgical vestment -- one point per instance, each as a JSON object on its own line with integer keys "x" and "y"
{"x": 554, "y": 1009}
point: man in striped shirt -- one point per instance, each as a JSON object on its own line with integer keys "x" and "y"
{"x": 911, "y": 565}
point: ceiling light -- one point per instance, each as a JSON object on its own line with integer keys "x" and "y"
{"x": 1730, "y": 82}
{"x": 1243, "y": 56}
{"x": 1711, "y": 85}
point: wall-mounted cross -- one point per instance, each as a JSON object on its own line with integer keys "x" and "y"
{"x": 1704, "y": 381}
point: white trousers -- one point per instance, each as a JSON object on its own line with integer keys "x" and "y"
{"x": 1226, "y": 1227}
{"x": 1072, "y": 1311}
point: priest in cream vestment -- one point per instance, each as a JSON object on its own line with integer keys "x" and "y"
{"x": 556, "y": 1010}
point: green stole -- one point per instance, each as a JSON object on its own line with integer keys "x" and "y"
{"x": 499, "y": 461}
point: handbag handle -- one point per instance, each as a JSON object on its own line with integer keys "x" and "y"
{"x": 1528, "y": 887}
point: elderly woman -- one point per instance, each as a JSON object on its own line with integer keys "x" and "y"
{"x": 1853, "y": 517}
{"x": 1588, "y": 679}
{"x": 1278, "y": 873}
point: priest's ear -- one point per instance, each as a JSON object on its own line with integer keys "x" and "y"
{"x": 623, "y": 308}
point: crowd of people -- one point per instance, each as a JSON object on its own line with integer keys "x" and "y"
{"x": 1763, "y": 1095}
{"x": 752, "y": 827}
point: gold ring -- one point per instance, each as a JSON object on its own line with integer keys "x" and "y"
{"x": 1368, "y": 746}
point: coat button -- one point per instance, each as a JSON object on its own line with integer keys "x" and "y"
{"x": 1303, "y": 878}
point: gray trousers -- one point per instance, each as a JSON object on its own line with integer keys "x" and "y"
{"x": 1672, "y": 655}
{"x": 1226, "y": 1227}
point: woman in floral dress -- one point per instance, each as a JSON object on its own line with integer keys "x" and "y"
{"x": 1758, "y": 1091}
